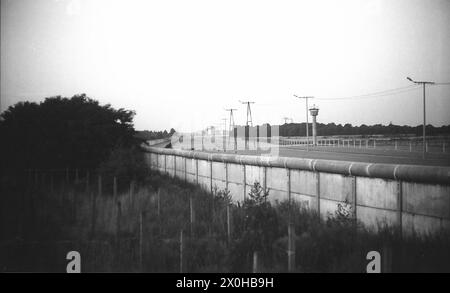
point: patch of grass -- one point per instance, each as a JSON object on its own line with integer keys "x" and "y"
{"x": 51, "y": 223}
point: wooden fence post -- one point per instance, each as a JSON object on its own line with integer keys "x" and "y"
{"x": 213, "y": 214}
{"x": 181, "y": 251}
{"x": 115, "y": 188}
{"x": 119, "y": 216}
{"x": 131, "y": 191}
{"x": 159, "y": 210}
{"x": 255, "y": 262}
{"x": 93, "y": 214}
{"x": 191, "y": 211}
{"x": 87, "y": 182}
{"x": 99, "y": 186}
{"x": 158, "y": 199}
{"x": 228, "y": 224}
{"x": 291, "y": 247}
{"x": 141, "y": 240}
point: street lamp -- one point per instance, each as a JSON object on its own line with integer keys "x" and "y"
{"x": 307, "y": 132}
{"x": 423, "y": 83}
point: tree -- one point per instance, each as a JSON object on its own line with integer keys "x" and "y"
{"x": 62, "y": 132}
{"x": 260, "y": 224}
{"x": 298, "y": 129}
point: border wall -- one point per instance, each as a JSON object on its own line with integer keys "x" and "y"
{"x": 412, "y": 198}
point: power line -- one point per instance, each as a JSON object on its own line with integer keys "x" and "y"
{"x": 389, "y": 92}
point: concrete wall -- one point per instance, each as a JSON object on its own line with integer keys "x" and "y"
{"x": 412, "y": 198}
{"x": 157, "y": 141}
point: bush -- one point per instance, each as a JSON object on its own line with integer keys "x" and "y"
{"x": 125, "y": 163}
{"x": 260, "y": 228}
{"x": 59, "y": 132}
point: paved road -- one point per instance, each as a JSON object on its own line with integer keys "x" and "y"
{"x": 362, "y": 155}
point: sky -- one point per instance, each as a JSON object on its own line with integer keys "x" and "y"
{"x": 179, "y": 64}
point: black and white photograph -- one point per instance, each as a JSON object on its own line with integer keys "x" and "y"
{"x": 208, "y": 138}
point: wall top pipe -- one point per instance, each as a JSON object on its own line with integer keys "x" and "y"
{"x": 412, "y": 173}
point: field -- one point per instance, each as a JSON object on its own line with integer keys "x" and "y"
{"x": 165, "y": 225}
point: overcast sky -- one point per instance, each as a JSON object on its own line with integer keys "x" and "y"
{"x": 180, "y": 63}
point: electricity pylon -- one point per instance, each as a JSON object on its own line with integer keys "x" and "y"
{"x": 231, "y": 119}
{"x": 249, "y": 112}
{"x": 224, "y": 124}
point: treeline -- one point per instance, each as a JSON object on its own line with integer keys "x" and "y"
{"x": 299, "y": 129}
{"x": 148, "y": 135}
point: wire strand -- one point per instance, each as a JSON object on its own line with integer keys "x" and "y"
{"x": 389, "y": 92}
{"x": 376, "y": 94}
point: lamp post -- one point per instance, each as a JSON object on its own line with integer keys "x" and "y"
{"x": 423, "y": 83}
{"x": 307, "y": 132}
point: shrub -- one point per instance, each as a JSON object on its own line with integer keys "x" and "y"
{"x": 125, "y": 163}
{"x": 260, "y": 227}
